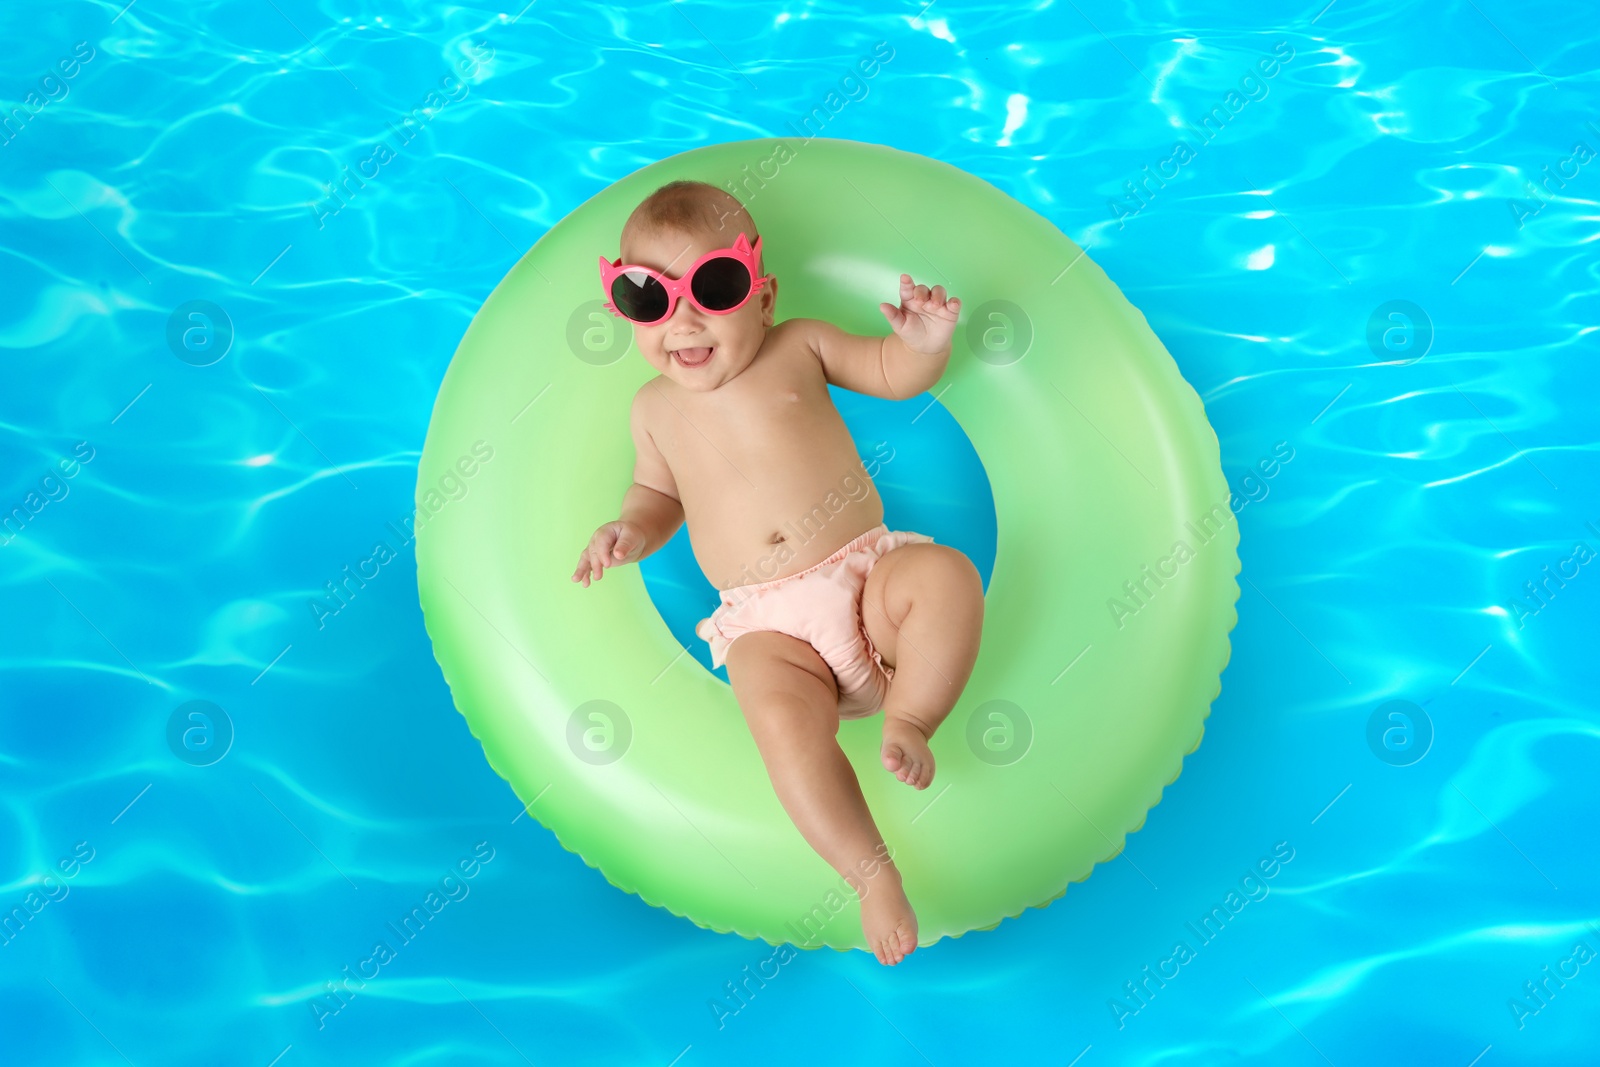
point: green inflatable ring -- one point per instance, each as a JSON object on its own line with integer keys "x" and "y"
{"x": 1088, "y": 692}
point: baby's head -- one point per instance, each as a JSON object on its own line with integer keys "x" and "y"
{"x": 672, "y": 229}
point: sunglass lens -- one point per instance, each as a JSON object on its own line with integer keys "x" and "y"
{"x": 720, "y": 284}
{"x": 639, "y": 296}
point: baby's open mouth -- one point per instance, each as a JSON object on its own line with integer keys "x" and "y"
{"x": 693, "y": 357}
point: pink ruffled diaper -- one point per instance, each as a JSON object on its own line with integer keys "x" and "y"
{"x": 821, "y": 606}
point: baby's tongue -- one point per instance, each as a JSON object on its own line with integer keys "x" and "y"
{"x": 693, "y": 357}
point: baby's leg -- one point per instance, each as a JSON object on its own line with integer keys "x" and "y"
{"x": 922, "y": 607}
{"x": 791, "y": 701}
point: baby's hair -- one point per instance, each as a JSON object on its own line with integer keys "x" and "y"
{"x": 691, "y": 207}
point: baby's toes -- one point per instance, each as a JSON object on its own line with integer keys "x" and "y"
{"x": 894, "y": 758}
{"x": 912, "y": 768}
{"x": 915, "y": 768}
{"x": 901, "y": 942}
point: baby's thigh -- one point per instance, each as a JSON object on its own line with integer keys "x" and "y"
{"x": 785, "y": 689}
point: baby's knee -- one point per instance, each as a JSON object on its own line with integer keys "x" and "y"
{"x": 790, "y": 726}
{"x": 951, "y": 568}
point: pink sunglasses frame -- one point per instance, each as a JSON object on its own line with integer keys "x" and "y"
{"x": 681, "y": 285}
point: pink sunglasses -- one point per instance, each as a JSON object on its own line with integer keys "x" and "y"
{"x": 718, "y": 283}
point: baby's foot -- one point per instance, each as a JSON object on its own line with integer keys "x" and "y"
{"x": 887, "y": 920}
{"x": 905, "y": 752}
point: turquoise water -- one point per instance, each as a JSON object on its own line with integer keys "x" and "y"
{"x": 189, "y": 488}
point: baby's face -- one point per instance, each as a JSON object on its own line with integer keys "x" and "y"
{"x": 676, "y": 346}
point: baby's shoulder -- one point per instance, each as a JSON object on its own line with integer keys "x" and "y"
{"x": 795, "y": 329}
{"x": 645, "y": 401}
{"x": 798, "y": 335}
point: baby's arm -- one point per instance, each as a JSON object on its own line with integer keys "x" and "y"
{"x": 907, "y": 362}
{"x": 651, "y": 510}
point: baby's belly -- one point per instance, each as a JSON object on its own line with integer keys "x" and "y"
{"x": 737, "y": 543}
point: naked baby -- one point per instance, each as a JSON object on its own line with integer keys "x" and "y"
{"x": 825, "y": 612}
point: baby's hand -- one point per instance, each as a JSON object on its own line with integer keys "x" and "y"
{"x": 612, "y": 545}
{"x": 924, "y": 320}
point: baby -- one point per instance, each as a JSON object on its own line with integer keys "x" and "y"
{"x": 737, "y": 436}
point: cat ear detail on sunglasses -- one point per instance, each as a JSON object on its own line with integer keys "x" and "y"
{"x": 718, "y": 283}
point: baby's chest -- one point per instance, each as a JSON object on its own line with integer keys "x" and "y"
{"x": 783, "y": 418}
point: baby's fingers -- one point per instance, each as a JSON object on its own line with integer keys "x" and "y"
{"x": 590, "y": 568}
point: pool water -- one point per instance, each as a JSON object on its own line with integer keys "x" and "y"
{"x": 240, "y": 819}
